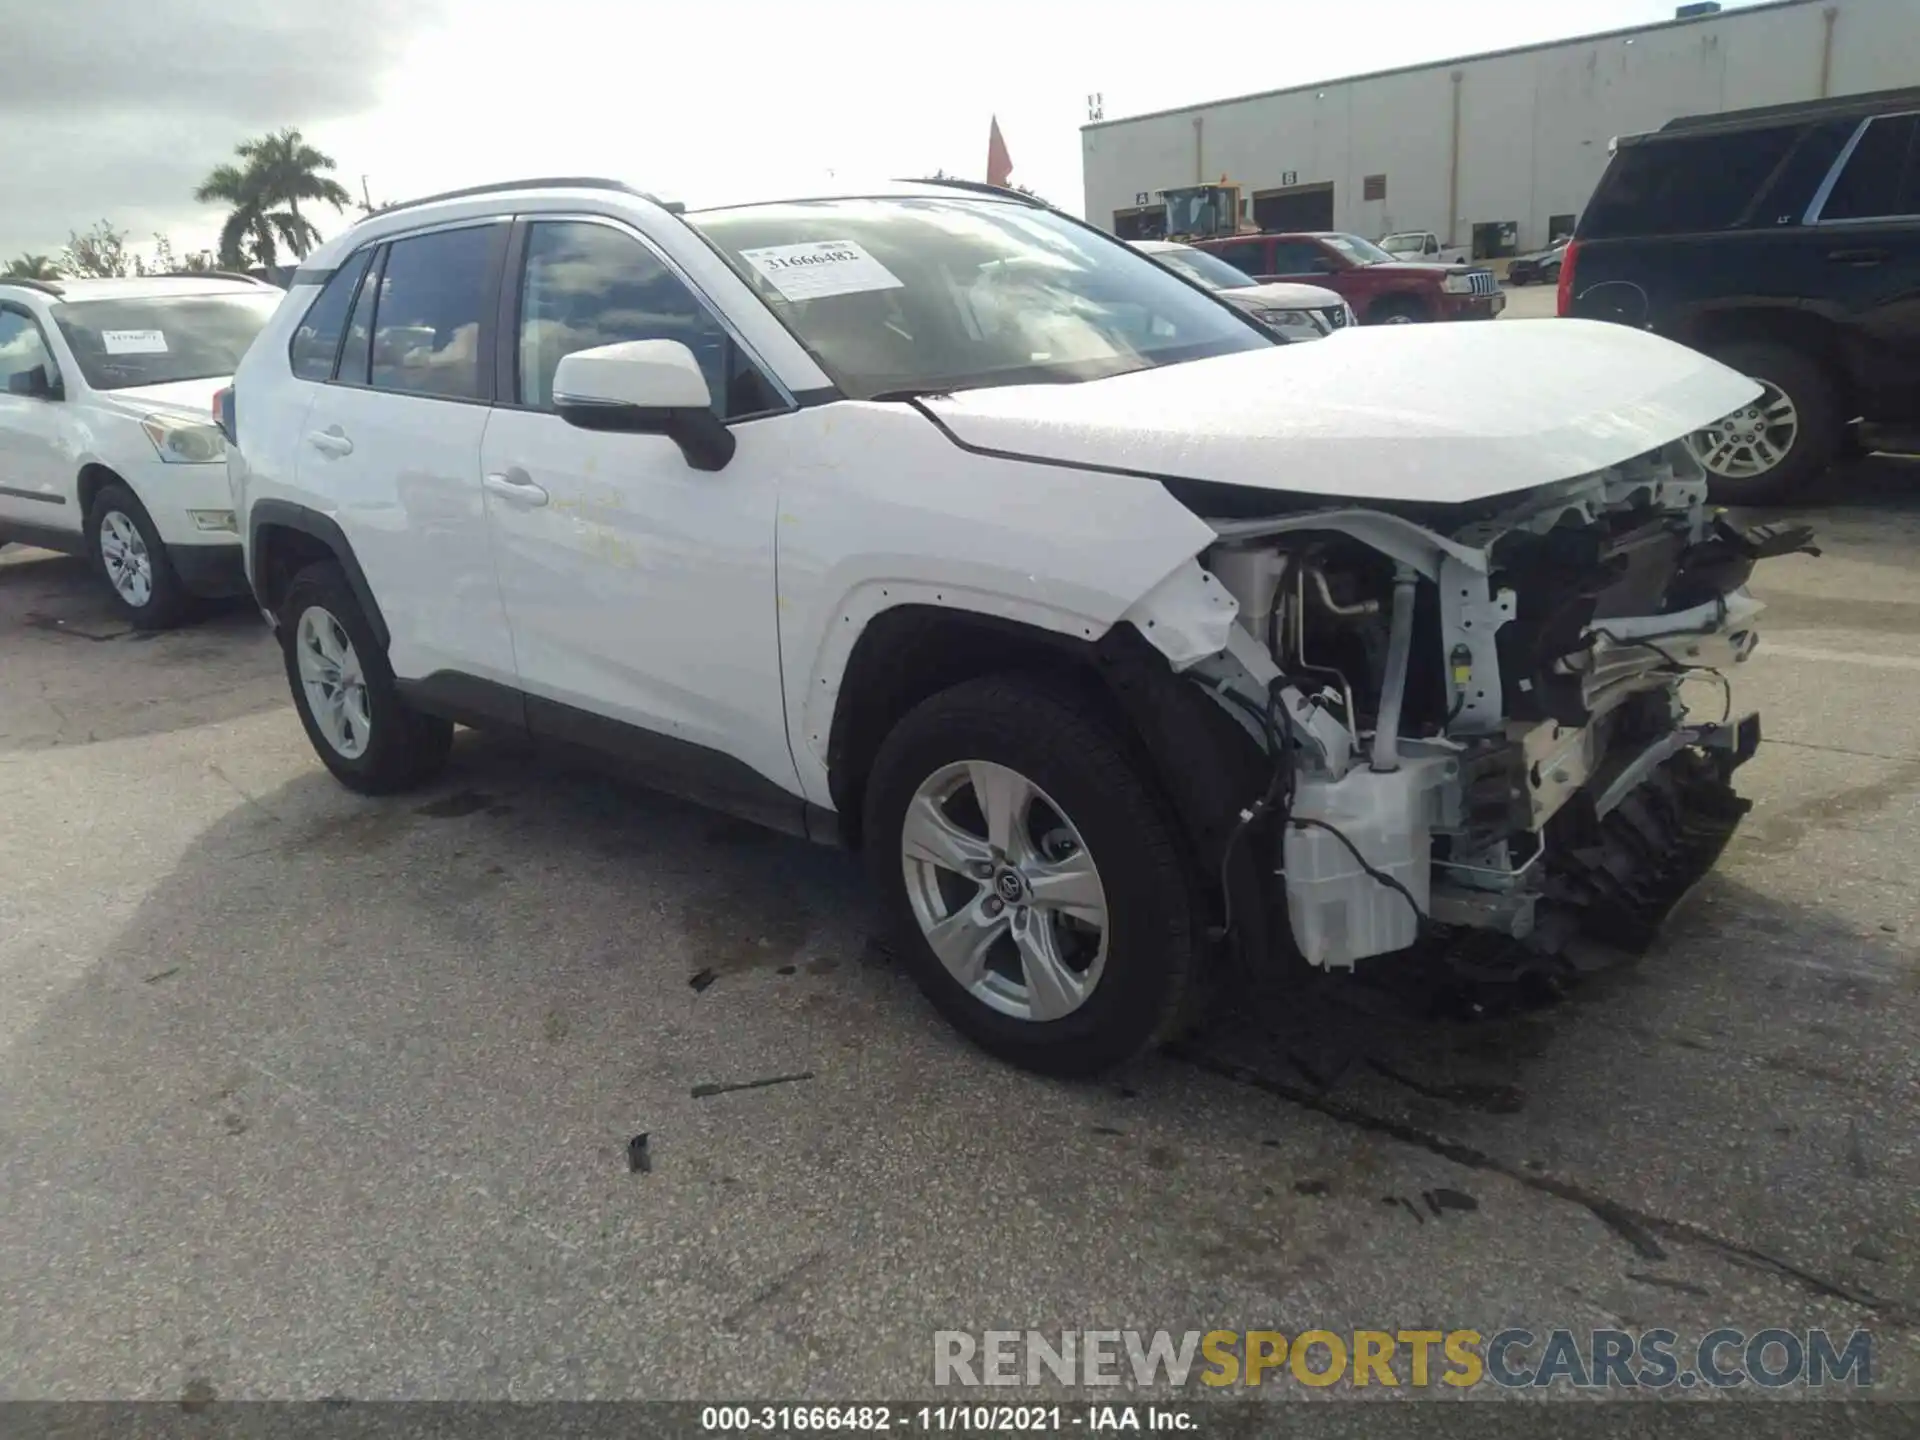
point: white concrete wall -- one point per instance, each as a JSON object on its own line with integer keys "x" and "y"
{"x": 1534, "y": 126}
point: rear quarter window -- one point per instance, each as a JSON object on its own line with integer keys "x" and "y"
{"x": 316, "y": 340}
{"x": 1689, "y": 184}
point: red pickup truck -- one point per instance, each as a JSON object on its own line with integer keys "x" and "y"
{"x": 1381, "y": 289}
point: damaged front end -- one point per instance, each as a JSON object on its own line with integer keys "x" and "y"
{"x": 1473, "y": 717}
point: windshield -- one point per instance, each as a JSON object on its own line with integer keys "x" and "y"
{"x": 937, "y": 294}
{"x": 1361, "y": 252}
{"x": 1404, "y": 244}
{"x": 123, "y": 343}
{"x": 1208, "y": 270}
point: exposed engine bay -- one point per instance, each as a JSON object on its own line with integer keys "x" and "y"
{"x": 1511, "y": 721}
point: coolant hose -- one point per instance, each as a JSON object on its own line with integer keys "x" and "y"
{"x": 1393, "y": 689}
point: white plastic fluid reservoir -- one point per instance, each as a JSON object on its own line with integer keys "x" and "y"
{"x": 1340, "y": 913}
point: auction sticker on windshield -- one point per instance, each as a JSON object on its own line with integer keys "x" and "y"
{"x": 134, "y": 342}
{"x": 820, "y": 268}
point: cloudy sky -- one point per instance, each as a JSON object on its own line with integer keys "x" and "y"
{"x": 115, "y": 109}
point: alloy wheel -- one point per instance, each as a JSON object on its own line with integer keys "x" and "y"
{"x": 335, "y": 685}
{"x": 1750, "y": 442}
{"x": 123, "y": 550}
{"x": 1005, "y": 890}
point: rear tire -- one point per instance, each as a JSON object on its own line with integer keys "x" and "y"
{"x": 1086, "y": 806}
{"x": 132, "y": 560}
{"x": 349, "y": 704}
{"x": 1816, "y": 439}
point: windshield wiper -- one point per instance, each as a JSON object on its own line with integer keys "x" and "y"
{"x": 919, "y": 392}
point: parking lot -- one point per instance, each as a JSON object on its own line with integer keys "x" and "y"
{"x": 304, "y": 1094}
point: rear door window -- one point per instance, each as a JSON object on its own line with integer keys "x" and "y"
{"x": 356, "y": 351}
{"x": 1299, "y": 257}
{"x": 1882, "y": 176}
{"x": 1247, "y": 256}
{"x": 430, "y": 320}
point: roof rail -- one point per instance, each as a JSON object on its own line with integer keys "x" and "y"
{"x": 978, "y": 187}
{"x": 545, "y": 182}
{"x": 45, "y": 287}
{"x": 238, "y": 275}
{"x": 1832, "y": 107}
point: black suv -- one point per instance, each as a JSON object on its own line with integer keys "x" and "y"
{"x": 1785, "y": 242}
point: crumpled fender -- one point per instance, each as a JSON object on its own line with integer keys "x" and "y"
{"x": 1058, "y": 548}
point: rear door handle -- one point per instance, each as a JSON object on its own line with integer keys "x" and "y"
{"x": 517, "y": 486}
{"x": 331, "y": 441}
{"x": 1859, "y": 257}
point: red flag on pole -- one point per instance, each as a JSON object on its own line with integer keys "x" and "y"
{"x": 999, "y": 163}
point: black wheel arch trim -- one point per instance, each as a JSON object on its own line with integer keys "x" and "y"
{"x": 1193, "y": 753}
{"x": 286, "y": 515}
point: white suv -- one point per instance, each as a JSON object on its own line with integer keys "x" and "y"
{"x": 1299, "y": 312}
{"x": 108, "y": 444}
{"x": 929, "y": 520}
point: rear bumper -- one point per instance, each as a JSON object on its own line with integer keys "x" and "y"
{"x": 214, "y": 572}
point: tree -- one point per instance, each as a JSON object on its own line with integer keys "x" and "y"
{"x": 32, "y": 267}
{"x": 165, "y": 262}
{"x": 279, "y": 171}
{"x": 101, "y": 253}
{"x": 248, "y": 233}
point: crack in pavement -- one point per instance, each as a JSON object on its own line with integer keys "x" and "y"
{"x": 1836, "y": 749}
{"x": 1637, "y": 1227}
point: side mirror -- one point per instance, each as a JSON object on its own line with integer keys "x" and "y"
{"x": 32, "y": 383}
{"x": 1323, "y": 265}
{"x": 644, "y": 387}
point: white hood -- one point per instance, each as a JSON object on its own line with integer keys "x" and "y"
{"x": 1283, "y": 295}
{"x": 1443, "y": 412}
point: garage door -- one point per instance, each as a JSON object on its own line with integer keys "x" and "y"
{"x": 1298, "y": 207}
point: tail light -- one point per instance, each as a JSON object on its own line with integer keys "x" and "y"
{"x": 223, "y": 412}
{"x": 1564, "y": 300}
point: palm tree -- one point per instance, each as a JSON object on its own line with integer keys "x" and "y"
{"x": 248, "y": 232}
{"x": 280, "y": 169}
{"x": 290, "y": 170}
{"x": 32, "y": 267}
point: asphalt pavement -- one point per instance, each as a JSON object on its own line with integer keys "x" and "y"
{"x": 304, "y": 1095}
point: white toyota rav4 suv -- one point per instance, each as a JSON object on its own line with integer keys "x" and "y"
{"x": 108, "y": 446}
{"x": 926, "y": 519}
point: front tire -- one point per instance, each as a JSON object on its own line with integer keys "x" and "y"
{"x": 350, "y": 707}
{"x": 132, "y": 559}
{"x": 1398, "y": 310}
{"x": 1031, "y": 875}
{"x": 1772, "y": 452}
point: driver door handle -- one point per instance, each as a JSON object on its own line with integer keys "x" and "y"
{"x": 331, "y": 441}
{"x": 517, "y": 486}
{"x": 1859, "y": 257}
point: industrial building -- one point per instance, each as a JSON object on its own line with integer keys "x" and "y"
{"x": 1498, "y": 152}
